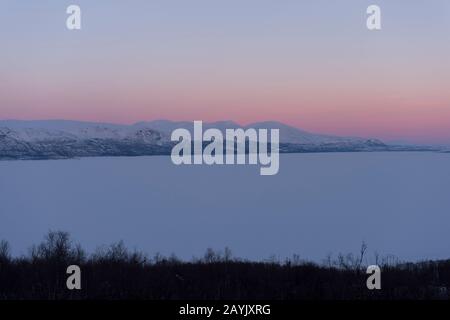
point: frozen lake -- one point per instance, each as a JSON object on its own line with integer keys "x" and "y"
{"x": 398, "y": 203}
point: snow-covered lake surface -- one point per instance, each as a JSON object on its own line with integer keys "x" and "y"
{"x": 398, "y": 203}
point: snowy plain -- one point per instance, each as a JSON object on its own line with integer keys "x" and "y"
{"x": 318, "y": 204}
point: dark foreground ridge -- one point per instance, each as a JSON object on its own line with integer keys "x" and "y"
{"x": 116, "y": 273}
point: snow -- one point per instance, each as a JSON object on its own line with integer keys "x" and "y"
{"x": 318, "y": 204}
{"x": 49, "y": 129}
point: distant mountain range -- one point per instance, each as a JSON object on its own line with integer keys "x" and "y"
{"x": 59, "y": 139}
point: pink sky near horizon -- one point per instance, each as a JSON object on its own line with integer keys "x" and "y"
{"x": 370, "y": 108}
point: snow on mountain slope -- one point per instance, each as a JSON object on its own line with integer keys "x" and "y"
{"x": 74, "y": 130}
{"x": 66, "y": 139}
{"x": 166, "y": 126}
{"x": 293, "y": 135}
{"x": 288, "y": 134}
{"x": 63, "y": 129}
{"x": 63, "y": 139}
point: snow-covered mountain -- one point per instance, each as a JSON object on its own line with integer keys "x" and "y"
{"x": 288, "y": 134}
{"x": 64, "y": 139}
{"x": 71, "y": 130}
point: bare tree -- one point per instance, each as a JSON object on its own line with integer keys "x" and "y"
{"x": 5, "y": 252}
{"x": 362, "y": 252}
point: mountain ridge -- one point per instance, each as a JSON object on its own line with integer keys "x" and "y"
{"x": 56, "y": 139}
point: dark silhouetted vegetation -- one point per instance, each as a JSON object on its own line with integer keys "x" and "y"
{"x": 114, "y": 272}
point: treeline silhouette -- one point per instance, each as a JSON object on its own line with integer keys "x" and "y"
{"x": 114, "y": 272}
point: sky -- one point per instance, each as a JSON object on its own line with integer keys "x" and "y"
{"x": 312, "y": 64}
